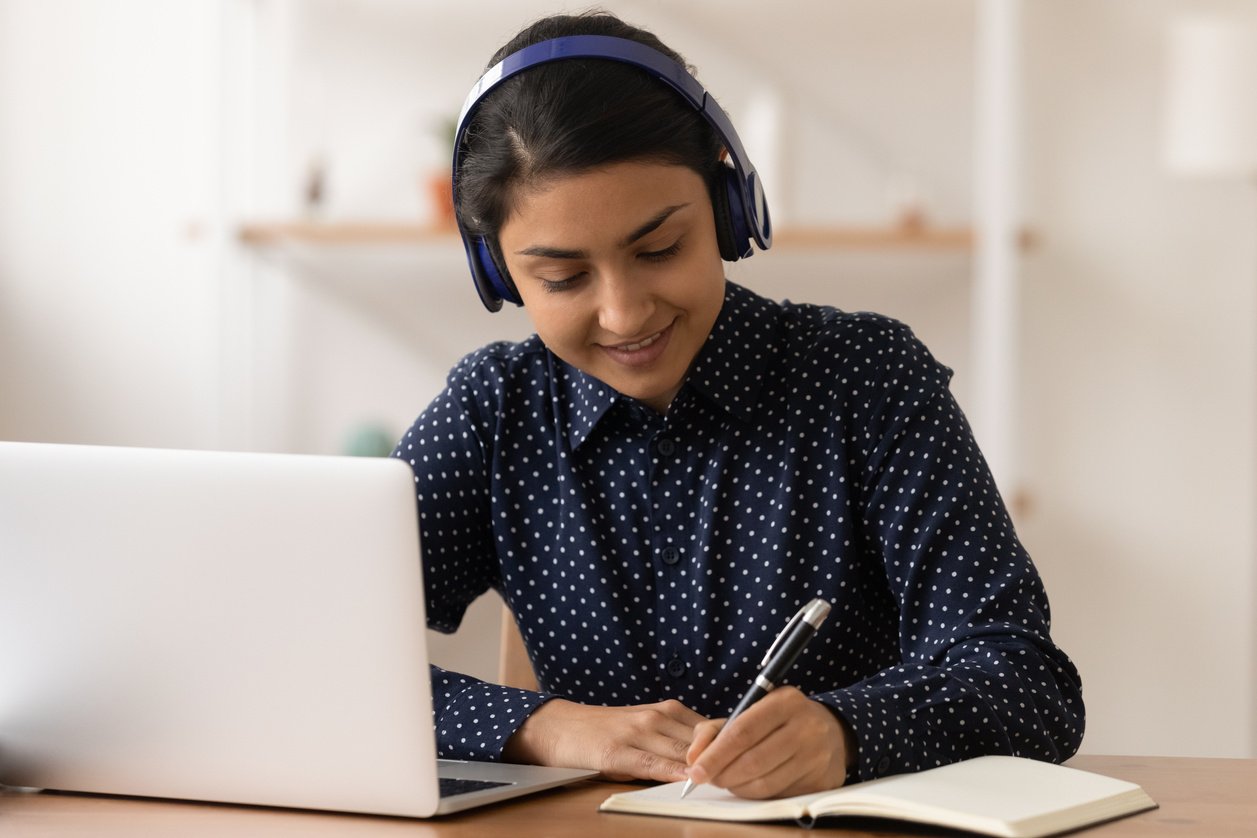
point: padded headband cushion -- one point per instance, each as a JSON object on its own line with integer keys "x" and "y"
{"x": 737, "y": 196}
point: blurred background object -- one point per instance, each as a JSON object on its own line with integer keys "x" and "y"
{"x": 215, "y": 232}
{"x": 370, "y": 440}
{"x": 1211, "y": 109}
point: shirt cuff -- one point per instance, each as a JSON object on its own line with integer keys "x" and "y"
{"x": 479, "y": 718}
{"x": 880, "y": 744}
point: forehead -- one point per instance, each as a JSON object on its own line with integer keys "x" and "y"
{"x": 609, "y": 201}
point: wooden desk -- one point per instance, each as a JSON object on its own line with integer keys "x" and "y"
{"x": 1211, "y": 798}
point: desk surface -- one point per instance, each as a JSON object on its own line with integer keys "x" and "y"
{"x": 1216, "y": 798}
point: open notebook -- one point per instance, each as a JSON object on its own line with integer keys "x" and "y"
{"x": 244, "y": 628}
{"x": 992, "y": 795}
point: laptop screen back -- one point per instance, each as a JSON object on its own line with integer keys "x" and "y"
{"x": 236, "y": 627}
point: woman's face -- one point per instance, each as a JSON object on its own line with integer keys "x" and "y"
{"x": 620, "y": 272}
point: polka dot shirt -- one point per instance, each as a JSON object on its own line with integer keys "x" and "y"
{"x": 810, "y": 453}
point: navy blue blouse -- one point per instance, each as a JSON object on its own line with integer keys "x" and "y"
{"x": 810, "y": 453}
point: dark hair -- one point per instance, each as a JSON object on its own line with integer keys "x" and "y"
{"x": 573, "y": 116}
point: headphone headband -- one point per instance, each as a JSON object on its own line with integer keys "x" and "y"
{"x": 747, "y": 191}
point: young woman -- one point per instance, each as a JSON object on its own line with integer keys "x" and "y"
{"x": 662, "y": 475}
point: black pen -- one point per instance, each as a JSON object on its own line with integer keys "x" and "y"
{"x": 778, "y": 660}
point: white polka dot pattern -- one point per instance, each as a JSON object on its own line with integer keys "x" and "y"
{"x": 811, "y": 452}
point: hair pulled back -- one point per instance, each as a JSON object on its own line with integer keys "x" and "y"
{"x": 569, "y": 117}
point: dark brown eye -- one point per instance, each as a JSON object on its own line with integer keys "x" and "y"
{"x": 662, "y": 255}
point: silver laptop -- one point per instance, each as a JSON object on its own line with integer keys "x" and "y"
{"x": 242, "y": 628}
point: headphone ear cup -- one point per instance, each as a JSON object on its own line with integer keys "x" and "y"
{"x": 494, "y": 275}
{"x": 724, "y": 224}
{"x": 733, "y": 234}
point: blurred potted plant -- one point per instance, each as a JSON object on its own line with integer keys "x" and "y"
{"x": 439, "y": 185}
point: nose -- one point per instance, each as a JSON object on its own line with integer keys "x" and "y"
{"x": 625, "y": 307}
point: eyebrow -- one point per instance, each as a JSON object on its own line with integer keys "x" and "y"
{"x": 644, "y": 230}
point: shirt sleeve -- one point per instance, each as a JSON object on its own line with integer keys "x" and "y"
{"x": 447, "y": 448}
{"x": 474, "y": 719}
{"x": 979, "y": 673}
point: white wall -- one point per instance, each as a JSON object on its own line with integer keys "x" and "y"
{"x": 124, "y": 125}
{"x": 108, "y": 285}
{"x": 1139, "y": 382}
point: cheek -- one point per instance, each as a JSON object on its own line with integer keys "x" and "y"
{"x": 705, "y": 269}
{"x": 707, "y": 286}
{"x": 556, "y": 323}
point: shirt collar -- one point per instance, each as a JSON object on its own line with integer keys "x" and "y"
{"x": 729, "y": 369}
{"x": 587, "y": 400}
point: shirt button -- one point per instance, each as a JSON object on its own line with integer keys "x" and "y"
{"x": 676, "y": 667}
{"x": 883, "y": 765}
{"x": 666, "y": 447}
{"x": 671, "y": 555}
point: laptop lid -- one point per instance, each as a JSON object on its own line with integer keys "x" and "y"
{"x": 232, "y": 627}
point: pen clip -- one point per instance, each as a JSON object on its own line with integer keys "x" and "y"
{"x": 781, "y": 638}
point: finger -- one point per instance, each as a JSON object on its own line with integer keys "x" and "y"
{"x": 740, "y": 736}
{"x": 652, "y": 722}
{"x": 704, "y": 734}
{"x": 680, "y": 713}
{"x": 638, "y": 764}
{"x": 664, "y": 745}
{"x": 779, "y": 781}
{"x": 779, "y": 756}
{"x": 805, "y": 772}
{"x": 650, "y": 747}
{"x": 807, "y": 754}
{"x": 733, "y": 742}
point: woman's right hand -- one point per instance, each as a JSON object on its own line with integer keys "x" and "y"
{"x": 640, "y": 742}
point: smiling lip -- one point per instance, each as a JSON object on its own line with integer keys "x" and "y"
{"x": 641, "y": 352}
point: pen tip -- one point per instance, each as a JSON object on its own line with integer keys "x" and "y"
{"x": 689, "y": 784}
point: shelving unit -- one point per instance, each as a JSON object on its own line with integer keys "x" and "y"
{"x": 343, "y": 233}
{"x": 366, "y": 263}
{"x": 357, "y": 233}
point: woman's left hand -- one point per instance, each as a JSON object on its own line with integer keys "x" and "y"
{"x": 784, "y": 744}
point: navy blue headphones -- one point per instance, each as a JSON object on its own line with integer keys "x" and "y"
{"x": 740, "y": 208}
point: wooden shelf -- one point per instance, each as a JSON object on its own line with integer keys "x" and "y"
{"x": 343, "y": 233}
{"x": 875, "y": 238}
{"x": 885, "y": 238}
{"x": 351, "y": 233}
